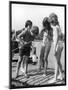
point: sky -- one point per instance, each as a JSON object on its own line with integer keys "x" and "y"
{"x": 36, "y": 13}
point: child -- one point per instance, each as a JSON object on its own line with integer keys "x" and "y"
{"x": 46, "y": 44}
{"x": 25, "y": 47}
{"x": 58, "y": 45}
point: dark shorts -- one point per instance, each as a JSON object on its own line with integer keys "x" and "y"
{"x": 25, "y": 50}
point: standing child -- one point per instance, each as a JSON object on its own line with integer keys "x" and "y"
{"x": 58, "y": 45}
{"x": 46, "y": 44}
{"x": 24, "y": 50}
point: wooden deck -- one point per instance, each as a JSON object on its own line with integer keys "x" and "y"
{"x": 35, "y": 78}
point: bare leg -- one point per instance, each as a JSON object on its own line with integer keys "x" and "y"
{"x": 55, "y": 75}
{"x": 58, "y": 57}
{"x": 25, "y": 64}
{"x": 47, "y": 50}
{"x": 59, "y": 64}
{"x": 60, "y": 67}
{"x": 60, "y": 76}
{"x": 56, "y": 70}
{"x": 45, "y": 65}
{"x": 18, "y": 65}
{"x": 41, "y": 62}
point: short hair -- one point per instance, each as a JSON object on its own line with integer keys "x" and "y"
{"x": 53, "y": 18}
{"x": 28, "y": 23}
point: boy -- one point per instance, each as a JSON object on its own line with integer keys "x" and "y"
{"x": 25, "y": 38}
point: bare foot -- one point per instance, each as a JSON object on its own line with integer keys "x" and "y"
{"x": 44, "y": 75}
{"x": 60, "y": 77}
{"x": 53, "y": 80}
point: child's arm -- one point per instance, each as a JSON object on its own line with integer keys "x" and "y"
{"x": 21, "y": 34}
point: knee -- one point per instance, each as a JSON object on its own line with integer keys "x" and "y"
{"x": 41, "y": 58}
{"x": 45, "y": 58}
{"x": 46, "y": 61}
{"x": 58, "y": 61}
{"x": 19, "y": 61}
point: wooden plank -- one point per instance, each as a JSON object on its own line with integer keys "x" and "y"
{"x": 33, "y": 79}
{"x": 38, "y": 80}
{"x": 23, "y": 80}
{"x": 44, "y": 80}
